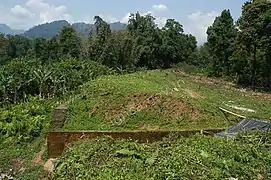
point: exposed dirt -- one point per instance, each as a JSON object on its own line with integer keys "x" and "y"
{"x": 170, "y": 106}
{"x": 94, "y": 111}
{"x": 262, "y": 95}
{"x": 38, "y": 158}
{"x": 17, "y": 165}
{"x": 218, "y": 82}
{"x": 178, "y": 108}
{"x": 148, "y": 127}
{"x": 109, "y": 113}
{"x": 192, "y": 94}
{"x": 230, "y": 85}
{"x": 49, "y": 165}
{"x": 143, "y": 101}
{"x": 213, "y": 81}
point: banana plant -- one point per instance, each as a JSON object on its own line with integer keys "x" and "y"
{"x": 42, "y": 75}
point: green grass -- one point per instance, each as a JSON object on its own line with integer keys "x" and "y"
{"x": 177, "y": 102}
{"x": 197, "y": 157}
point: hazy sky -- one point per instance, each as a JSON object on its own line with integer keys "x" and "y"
{"x": 194, "y": 15}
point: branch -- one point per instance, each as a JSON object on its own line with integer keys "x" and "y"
{"x": 232, "y": 113}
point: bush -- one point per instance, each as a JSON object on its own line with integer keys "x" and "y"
{"x": 22, "y": 78}
{"x": 26, "y": 120}
{"x": 190, "y": 69}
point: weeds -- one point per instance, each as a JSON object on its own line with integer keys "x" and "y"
{"x": 197, "y": 157}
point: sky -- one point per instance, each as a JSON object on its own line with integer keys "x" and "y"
{"x": 195, "y": 15}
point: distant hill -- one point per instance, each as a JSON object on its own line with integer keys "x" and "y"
{"x": 7, "y": 30}
{"x": 82, "y": 28}
{"x": 116, "y": 26}
{"x": 46, "y": 30}
{"x": 51, "y": 29}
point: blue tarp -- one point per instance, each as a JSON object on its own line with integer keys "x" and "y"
{"x": 246, "y": 125}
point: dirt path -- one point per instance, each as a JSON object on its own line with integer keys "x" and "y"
{"x": 193, "y": 94}
{"x": 49, "y": 165}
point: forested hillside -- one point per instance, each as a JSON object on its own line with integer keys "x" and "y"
{"x": 52, "y": 29}
{"x": 47, "y": 30}
{"x": 7, "y": 30}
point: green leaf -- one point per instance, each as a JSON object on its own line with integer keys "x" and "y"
{"x": 204, "y": 154}
{"x": 126, "y": 152}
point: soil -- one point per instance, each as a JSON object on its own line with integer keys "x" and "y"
{"x": 49, "y": 165}
{"x": 218, "y": 82}
{"x": 148, "y": 127}
{"x": 94, "y": 111}
{"x": 38, "y": 158}
{"x": 213, "y": 81}
{"x": 17, "y": 164}
{"x": 175, "y": 108}
{"x": 170, "y": 106}
{"x": 143, "y": 101}
{"x": 192, "y": 94}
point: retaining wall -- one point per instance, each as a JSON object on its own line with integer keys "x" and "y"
{"x": 58, "y": 140}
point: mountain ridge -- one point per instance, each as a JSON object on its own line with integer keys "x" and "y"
{"x": 7, "y": 30}
{"x": 51, "y": 29}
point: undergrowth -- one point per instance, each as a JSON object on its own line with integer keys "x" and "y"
{"x": 197, "y": 157}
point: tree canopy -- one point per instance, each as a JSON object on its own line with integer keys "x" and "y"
{"x": 236, "y": 50}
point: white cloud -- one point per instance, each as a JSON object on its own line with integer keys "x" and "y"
{"x": 198, "y": 23}
{"x": 158, "y": 11}
{"x": 40, "y": 11}
{"x": 108, "y": 18}
{"x": 21, "y": 12}
{"x": 159, "y": 7}
{"x": 33, "y": 12}
{"x": 48, "y": 12}
{"x": 161, "y": 21}
{"x": 125, "y": 18}
{"x": 16, "y": 17}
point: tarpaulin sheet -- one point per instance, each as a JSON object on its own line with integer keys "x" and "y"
{"x": 246, "y": 125}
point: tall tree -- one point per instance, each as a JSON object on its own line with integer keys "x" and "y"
{"x": 252, "y": 56}
{"x": 3, "y": 49}
{"x": 53, "y": 49}
{"x": 221, "y": 36}
{"x": 69, "y": 42}
{"x": 203, "y": 57}
{"x": 175, "y": 46}
{"x": 99, "y": 36}
{"x": 146, "y": 37}
{"x": 18, "y": 46}
{"x": 172, "y": 44}
{"x": 40, "y": 49}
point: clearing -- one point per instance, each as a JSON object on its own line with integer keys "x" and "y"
{"x": 160, "y": 100}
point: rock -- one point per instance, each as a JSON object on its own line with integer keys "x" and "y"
{"x": 49, "y": 165}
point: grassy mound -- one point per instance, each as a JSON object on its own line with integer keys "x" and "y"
{"x": 197, "y": 157}
{"x": 159, "y": 100}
